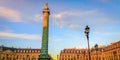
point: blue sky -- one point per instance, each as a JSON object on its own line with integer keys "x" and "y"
{"x": 21, "y": 23}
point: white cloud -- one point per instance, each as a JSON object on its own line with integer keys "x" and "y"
{"x": 74, "y": 19}
{"x": 7, "y": 35}
{"x": 107, "y": 33}
{"x": 55, "y": 39}
{"x": 73, "y": 13}
{"x": 5, "y": 28}
{"x": 62, "y": 19}
{"x": 75, "y": 26}
{"x": 10, "y": 14}
{"x": 38, "y": 17}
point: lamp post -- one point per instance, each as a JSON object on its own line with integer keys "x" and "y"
{"x": 96, "y": 48}
{"x": 87, "y": 29}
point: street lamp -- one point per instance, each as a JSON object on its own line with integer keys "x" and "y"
{"x": 96, "y": 48}
{"x": 87, "y": 29}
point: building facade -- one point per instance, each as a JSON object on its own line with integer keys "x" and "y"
{"x": 109, "y": 52}
{"x": 10, "y": 53}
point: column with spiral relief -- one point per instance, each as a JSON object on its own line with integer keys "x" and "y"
{"x": 44, "y": 50}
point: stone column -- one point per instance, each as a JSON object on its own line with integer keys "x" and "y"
{"x": 44, "y": 54}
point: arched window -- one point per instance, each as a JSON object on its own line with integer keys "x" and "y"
{"x": 62, "y": 58}
{"x": 28, "y": 58}
{"x": 33, "y": 58}
{"x": 62, "y": 55}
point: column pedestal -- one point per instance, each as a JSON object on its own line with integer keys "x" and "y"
{"x": 44, "y": 57}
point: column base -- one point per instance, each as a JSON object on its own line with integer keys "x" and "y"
{"x": 44, "y": 57}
